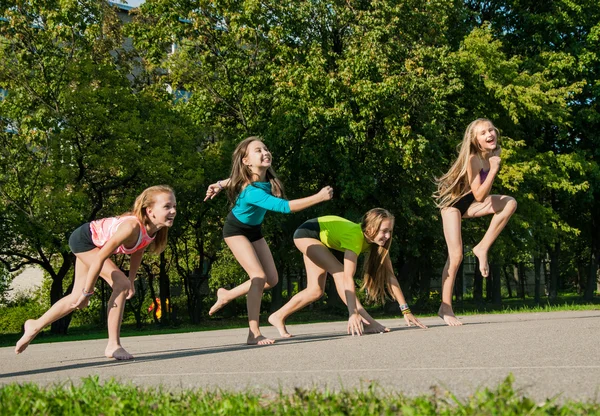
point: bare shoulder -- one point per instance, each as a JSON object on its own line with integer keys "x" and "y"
{"x": 130, "y": 225}
{"x": 475, "y": 163}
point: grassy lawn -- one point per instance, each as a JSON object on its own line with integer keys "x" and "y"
{"x": 92, "y": 397}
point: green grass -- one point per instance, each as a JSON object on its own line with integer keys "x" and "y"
{"x": 92, "y": 397}
{"x": 569, "y": 302}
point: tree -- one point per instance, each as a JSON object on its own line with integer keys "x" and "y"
{"x": 77, "y": 140}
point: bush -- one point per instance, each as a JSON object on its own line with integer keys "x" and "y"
{"x": 15, "y": 314}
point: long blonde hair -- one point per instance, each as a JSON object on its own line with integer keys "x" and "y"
{"x": 144, "y": 200}
{"x": 241, "y": 175}
{"x": 375, "y": 278}
{"x": 455, "y": 184}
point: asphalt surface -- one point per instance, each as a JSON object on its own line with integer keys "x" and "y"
{"x": 551, "y": 355}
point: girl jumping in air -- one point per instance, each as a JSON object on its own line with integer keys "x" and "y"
{"x": 373, "y": 235}
{"x": 464, "y": 192}
{"x": 92, "y": 243}
{"x": 253, "y": 189}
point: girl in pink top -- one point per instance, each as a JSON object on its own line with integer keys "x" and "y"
{"x": 147, "y": 225}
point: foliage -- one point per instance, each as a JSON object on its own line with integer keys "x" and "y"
{"x": 111, "y": 398}
{"x": 368, "y": 97}
{"x": 5, "y": 279}
{"x": 21, "y": 308}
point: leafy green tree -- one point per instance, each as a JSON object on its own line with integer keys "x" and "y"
{"x": 77, "y": 140}
{"x": 559, "y": 40}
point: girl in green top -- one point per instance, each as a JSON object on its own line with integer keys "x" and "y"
{"x": 373, "y": 235}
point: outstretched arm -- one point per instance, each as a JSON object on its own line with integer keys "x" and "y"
{"x": 399, "y": 296}
{"x": 215, "y": 188}
{"x": 324, "y": 194}
{"x": 355, "y": 321}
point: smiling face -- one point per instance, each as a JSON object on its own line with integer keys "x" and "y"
{"x": 486, "y": 136}
{"x": 257, "y": 155}
{"x": 162, "y": 212}
{"x": 384, "y": 233}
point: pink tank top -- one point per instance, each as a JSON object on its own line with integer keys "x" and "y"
{"x": 103, "y": 229}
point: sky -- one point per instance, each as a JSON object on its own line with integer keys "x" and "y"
{"x": 133, "y": 3}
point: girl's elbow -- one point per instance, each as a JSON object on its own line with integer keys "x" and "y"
{"x": 480, "y": 197}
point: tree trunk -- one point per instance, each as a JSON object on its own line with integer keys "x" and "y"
{"x": 276, "y": 291}
{"x": 459, "y": 284}
{"x": 489, "y": 285}
{"x": 522, "y": 280}
{"x": 496, "y": 283}
{"x": 477, "y": 284}
{"x": 554, "y": 272}
{"x": 517, "y": 278}
{"x": 61, "y": 326}
{"x": 507, "y": 279}
{"x": 165, "y": 291}
{"x": 290, "y": 285}
{"x": 104, "y": 296}
{"x": 153, "y": 296}
{"x": 592, "y": 278}
{"x": 537, "y": 270}
{"x": 425, "y": 274}
{"x": 137, "y": 302}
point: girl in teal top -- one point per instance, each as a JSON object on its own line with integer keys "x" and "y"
{"x": 254, "y": 189}
{"x": 373, "y": 236}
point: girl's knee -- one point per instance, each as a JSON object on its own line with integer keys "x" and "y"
{"x": 121, "y": 285}
{"x": 511, "y": 205}
{"x": 258, "y": 281}
{"x": 272, "y": 281}
{"x": 315, "y": 294}
{"x": 455, "y": 258}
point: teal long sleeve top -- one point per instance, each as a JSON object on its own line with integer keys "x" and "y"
{"x": 255, "y": 200}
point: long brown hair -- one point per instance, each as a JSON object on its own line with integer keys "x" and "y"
{"x": 144, "y": 200}
{"x": 241, "y": 175}
{"x": 455, "y": 184}
{"x": 375, "y": 278}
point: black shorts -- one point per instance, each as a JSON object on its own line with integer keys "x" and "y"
{"x": 81, "y": 239}
{"x": 464, "y": 203}
{"x": 310, "y": 229}
{"x": 233, "y": 227}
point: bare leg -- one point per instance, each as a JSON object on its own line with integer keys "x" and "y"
{"x": 115, "y": 278}
{"x": 257, "y": 261}
{"x": 225, "y": 296}
{"x": 502, "y": 207}
{"x": 451, "y": 220}
{"x": 58, "y": 310}
{"x": 315, "y": 286}
{"x": 116, "y": 306}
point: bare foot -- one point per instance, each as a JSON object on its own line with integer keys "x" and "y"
{"x": 447, "y": 314}
{"x": 481, "y": 255}
{"x": 259, "y": 340}
{"x": 374, "y": 328}
{"x": 280, "y": 325}
{"x": 29, "y": 333}
{"x": 118, "y": 353}
{"x": 221, "y": 301}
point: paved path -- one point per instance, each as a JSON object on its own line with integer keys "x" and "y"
{"x": 550, "y": 354}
